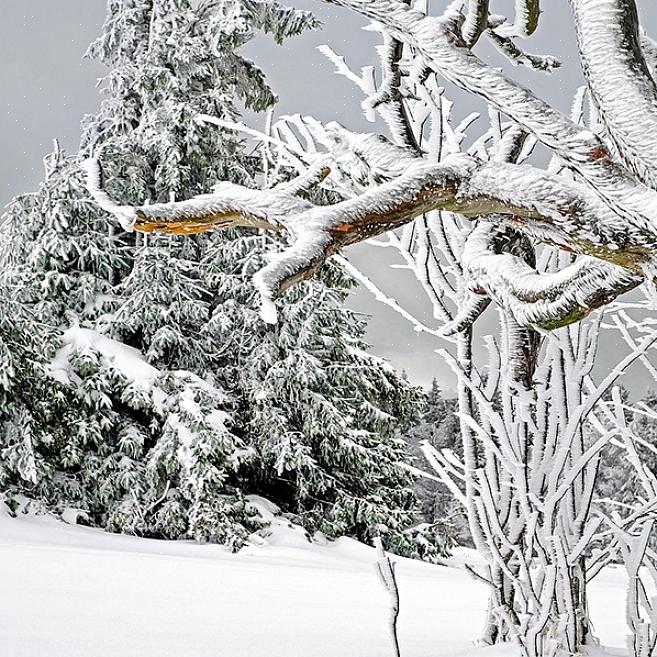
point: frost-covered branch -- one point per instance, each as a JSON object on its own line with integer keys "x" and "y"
{"x": 395, "y": 188}
{"x": 579, "y": 148}
{"x": 379, "y": 295}
{"x": 389, "y": 97}
{"x": 612, "y": 218}
{"x": 620, "y": 81}
{"x": 547, "y": 300}
{"x": 517, "y": 55}
{"x": 476, "y": 21}
{"x": 526, "y": 18}
{"x": 386, "y": 569}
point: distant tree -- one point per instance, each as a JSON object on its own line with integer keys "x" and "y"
{"x": 438, "y": 425}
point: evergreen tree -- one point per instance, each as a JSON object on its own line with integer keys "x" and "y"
{"x": 320, "y": 412}
{"x": 617, "y": 478}
{"x": 29, "y": 405}
{"x": 438, "y": 425}
{"x": 174, "y": 400}
{"x": 58, "y": 259}
{"x": 61, "y": 249}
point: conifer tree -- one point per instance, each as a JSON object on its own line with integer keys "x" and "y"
{"x": 617, "y": 480}
{"x": 438, "y": 425}
{"x": 320, "y": 412}
{"x": 29, "y": 406}
{"x": 176, "y": 401}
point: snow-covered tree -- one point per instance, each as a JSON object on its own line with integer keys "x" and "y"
{"x": 30, "y": 405}
{"x": 471, "y": 216}
{"x": 169, "y": 414}
{"x": 59, "y": 248}
{"x": 320, "y": 412}
{"x": 437, "y": 424}
{"x": 182, "y": 316}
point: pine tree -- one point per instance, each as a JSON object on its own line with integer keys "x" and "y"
{"x": 61, "y": 249}
{"x": 320, "y": 412}
{"x": 175, "y": 400}
{"x": 617, "y": 478}
{"x": 438, "y": 425}
{"x": 169, "y": 63}
{"x": 29, "y": 405}
{"x": 58, "y": 259}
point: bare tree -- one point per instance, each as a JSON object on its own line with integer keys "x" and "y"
{"x": 478, "y": 224}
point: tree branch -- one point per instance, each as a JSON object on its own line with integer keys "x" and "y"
{"x": 517, "y": 55}
{"x": 546, "y": 300}
{"x": 579, "y": 148}
{"x": 476, "y": 21}
{"x": 526, "y": 18}
{"x": 389, "y": 94}
{"x": 399, "y": 187}
{"x": 620, "y": 81}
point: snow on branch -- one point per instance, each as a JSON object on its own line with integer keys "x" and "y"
{"x": 391, "y": 188}
{"x": 227, "y": 206}
{"x": 476, "y": 21}
{"x": 547, "y": 300}
{"x": 649, "y": 48}
{"x": 95, "y": 180}
{"x": 525, "y": 22}
{"x": 379, "y": 295}
{"x": 308, "y": 180}
{"x": 433, "y": 39}
{"x": 517, "y": 55}
{"x": 620, "y": 81}
{"x": 611, "y": 218}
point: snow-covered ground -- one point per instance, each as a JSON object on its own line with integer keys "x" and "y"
{"x": 71, "y": 591}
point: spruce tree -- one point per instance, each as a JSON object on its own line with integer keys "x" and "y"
{"x": 320, "y": 412}
{"x": 438, "y": 425}
{"x": 617, "y": 478}
{"x": 175, "y": 401}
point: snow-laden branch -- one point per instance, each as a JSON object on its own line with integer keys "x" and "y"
{"x": 517, "y": 55}
{"x": 579, "y": 148}
{"x": 396, "y": 187}
{"x": 476, "y": 21}
{"x": 546, "y": 300}
{"x": 526, "y": 18}
{"x": 95, "y": 180}
{"x": 610, "y": 46}
{"x": 389, "y": 98}
{"x": 228, "y": 205}
{"x": 379, "y": 295}
{"x": 649, "y": 49}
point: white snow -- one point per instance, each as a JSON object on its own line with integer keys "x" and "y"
{"x": 126, "y": 360}
{"x": 70, "y": 591}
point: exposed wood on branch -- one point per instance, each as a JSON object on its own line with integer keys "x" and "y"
{"x": 544, "y": 207}
{"x": 606, "y": 212}
{"x": 476, "y": 21}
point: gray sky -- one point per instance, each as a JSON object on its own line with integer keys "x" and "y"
{"x": 47, "y": 88}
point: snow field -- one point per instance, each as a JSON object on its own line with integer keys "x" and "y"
{"x": 71, "y": 591}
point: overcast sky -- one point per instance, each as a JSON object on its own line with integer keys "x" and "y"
{"x": 47, "y": 87}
